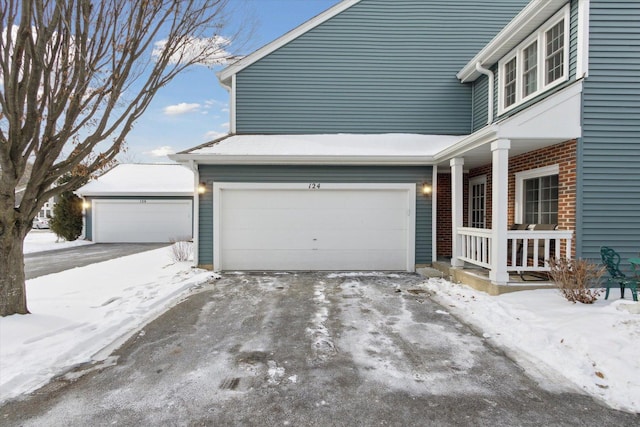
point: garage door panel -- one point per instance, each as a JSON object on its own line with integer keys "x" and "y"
{"x": 150, "y": 221}
{"x": 312, "y": 260}
{"x": 305, "y": 219}
{"x": 336, "y": 228}
{"x": 329, "y": 240}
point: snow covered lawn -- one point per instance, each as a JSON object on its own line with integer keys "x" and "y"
{"x": 82, "y": 314}
{"x": 596, "y": 347}
{"x": 45, "y": 240}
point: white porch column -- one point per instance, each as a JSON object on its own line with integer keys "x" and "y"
{"x": 457, "y": 205}
{"x": 500, "y": 198}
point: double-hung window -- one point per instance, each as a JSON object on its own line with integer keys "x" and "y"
{"x": 537, "y": 195}
{"x": 539, "y": 63}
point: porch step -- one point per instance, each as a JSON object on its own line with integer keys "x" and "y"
{"x": 478, "y": 279}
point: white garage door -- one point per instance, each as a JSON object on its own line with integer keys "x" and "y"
{"x": 143, "y": 220}
{"x": 302, "y": 227}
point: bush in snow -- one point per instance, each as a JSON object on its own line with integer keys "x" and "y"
{"x": 574, "y": 277}
{"x": 67, "y": 217}
{"x": 181, "y": 249}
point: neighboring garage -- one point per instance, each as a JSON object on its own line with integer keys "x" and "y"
{"x": 140, "y": 203}
{"x": 314, "y": 226}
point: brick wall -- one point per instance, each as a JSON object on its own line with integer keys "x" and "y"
{"x": 563, "y": 154}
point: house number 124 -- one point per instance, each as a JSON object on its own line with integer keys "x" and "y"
{"x": 314, "y": 186}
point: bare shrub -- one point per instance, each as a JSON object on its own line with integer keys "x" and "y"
{"x": 574, "y": 278}
{"x": 181, "y": 249}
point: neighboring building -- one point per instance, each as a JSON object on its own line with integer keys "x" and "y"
{"x": 139, "y": 203}
{"x": 513, "y": 111}
{"x": 47, "y": 209}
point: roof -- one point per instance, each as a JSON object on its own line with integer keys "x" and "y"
{"x": 142, "y": 180}
{"x": 225, "y": 75}
{"x": 522, "y": 25}
{"x": 321, "y": 149}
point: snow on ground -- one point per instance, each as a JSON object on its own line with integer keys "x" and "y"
{"x": 594, "y": 346}
{"x": 81, "y": 315}
{"x": 45, "y": 240}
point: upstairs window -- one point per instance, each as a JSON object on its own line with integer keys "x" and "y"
{"x": 537, "y": 64}
{"x": 554, "y": 61}
{"x": 530, "y": 69}
{"x": 510, "y": 78}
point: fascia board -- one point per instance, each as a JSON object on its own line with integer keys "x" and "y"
{"x": 135, "y": 194}
{"x": 217, "y": 159}
{"x": 476, "y": 139}
{"x": 225, "y": 75}
{"x": 533, "y": 15}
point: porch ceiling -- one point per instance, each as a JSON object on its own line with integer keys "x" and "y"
{"x": 551, "y": 121}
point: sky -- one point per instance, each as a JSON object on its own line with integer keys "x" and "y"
{"x": 194, "y": 107}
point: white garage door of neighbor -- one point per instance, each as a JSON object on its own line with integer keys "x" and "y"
{"x": 143, "y": 220}
{"x": 302, "y": 227}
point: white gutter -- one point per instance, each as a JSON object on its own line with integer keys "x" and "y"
{"x": 254, "y": 159}
{"x": 196, "y": 209}
{"x": 489, "y": 74}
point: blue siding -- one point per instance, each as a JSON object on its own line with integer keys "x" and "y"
{"x": 327, "y": 174}
{"x": 379, "y": 66}
{"x": 609, "y": 152}
{"x": 480, "y": 89}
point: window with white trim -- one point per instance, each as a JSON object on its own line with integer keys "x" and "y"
{"x": 478, "y": 201}
{"x": 538, "y": 64}
{"x": 537, "y": 195}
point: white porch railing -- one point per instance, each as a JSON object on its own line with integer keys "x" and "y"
{"x": 476, "y": 246}
{"x": 527, "y": 250}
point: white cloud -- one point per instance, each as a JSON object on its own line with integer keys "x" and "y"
{"x": 161, "y": 151}
{"x": 225, "y": 126}
{"x": 182, "y": 108}
{"x": 204, "y": 51}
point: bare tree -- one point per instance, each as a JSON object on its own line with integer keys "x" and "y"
{"x": 75, "y": 76}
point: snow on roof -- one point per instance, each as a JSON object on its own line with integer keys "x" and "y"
{"x": 142, "y": 179}
{"x": 325, "y": 146}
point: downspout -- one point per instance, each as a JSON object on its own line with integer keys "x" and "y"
{"x": 196, "y": 210}
{"x": 489, "y": 74}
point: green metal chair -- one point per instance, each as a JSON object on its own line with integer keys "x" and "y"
{"x": 611, "y": 260}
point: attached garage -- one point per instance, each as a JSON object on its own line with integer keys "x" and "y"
{"x": 314, "y": 226}
{"x": 136, "y": 203}
{"x": 141, "y": 220}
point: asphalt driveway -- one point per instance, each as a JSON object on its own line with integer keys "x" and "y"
{"x": 308, "y": 350}
{"x": 43, "y": 263}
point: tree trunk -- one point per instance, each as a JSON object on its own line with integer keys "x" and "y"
{"x": 13, "y": 298}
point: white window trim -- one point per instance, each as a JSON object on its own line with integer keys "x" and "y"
{"x": 521, "y": 177}
{"x": 582, "y": 60}
{"x": 481, "y": 179}
{"x": 518, "y": 53}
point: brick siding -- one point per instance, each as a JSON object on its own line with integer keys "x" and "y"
{"x": 563, "y": 154}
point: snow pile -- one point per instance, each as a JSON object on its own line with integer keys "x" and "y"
{"x": 81, "y": 315}
{"x": 42, "y": 241}
{"x": 596, "y": 346}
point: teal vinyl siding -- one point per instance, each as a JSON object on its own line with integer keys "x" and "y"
{"x": 609, "y": 152}
{"x": 379, "y": 66}
{"x": 480, "y": 89}
{"x": 89, "y": 213}
{"x": 321, "y": 174}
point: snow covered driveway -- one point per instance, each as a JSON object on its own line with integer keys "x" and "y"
{"x": 308, "y": 349}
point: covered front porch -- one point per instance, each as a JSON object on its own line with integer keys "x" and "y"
{"x": 506, "y": 245}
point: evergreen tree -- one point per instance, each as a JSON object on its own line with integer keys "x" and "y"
{"x": 67, "y": 216}
{"x": 67, "y": 213}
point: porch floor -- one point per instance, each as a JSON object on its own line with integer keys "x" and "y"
{"x": 478, "y": 278}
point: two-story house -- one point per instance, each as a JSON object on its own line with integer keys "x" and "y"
{"x": 391, "y": 134}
